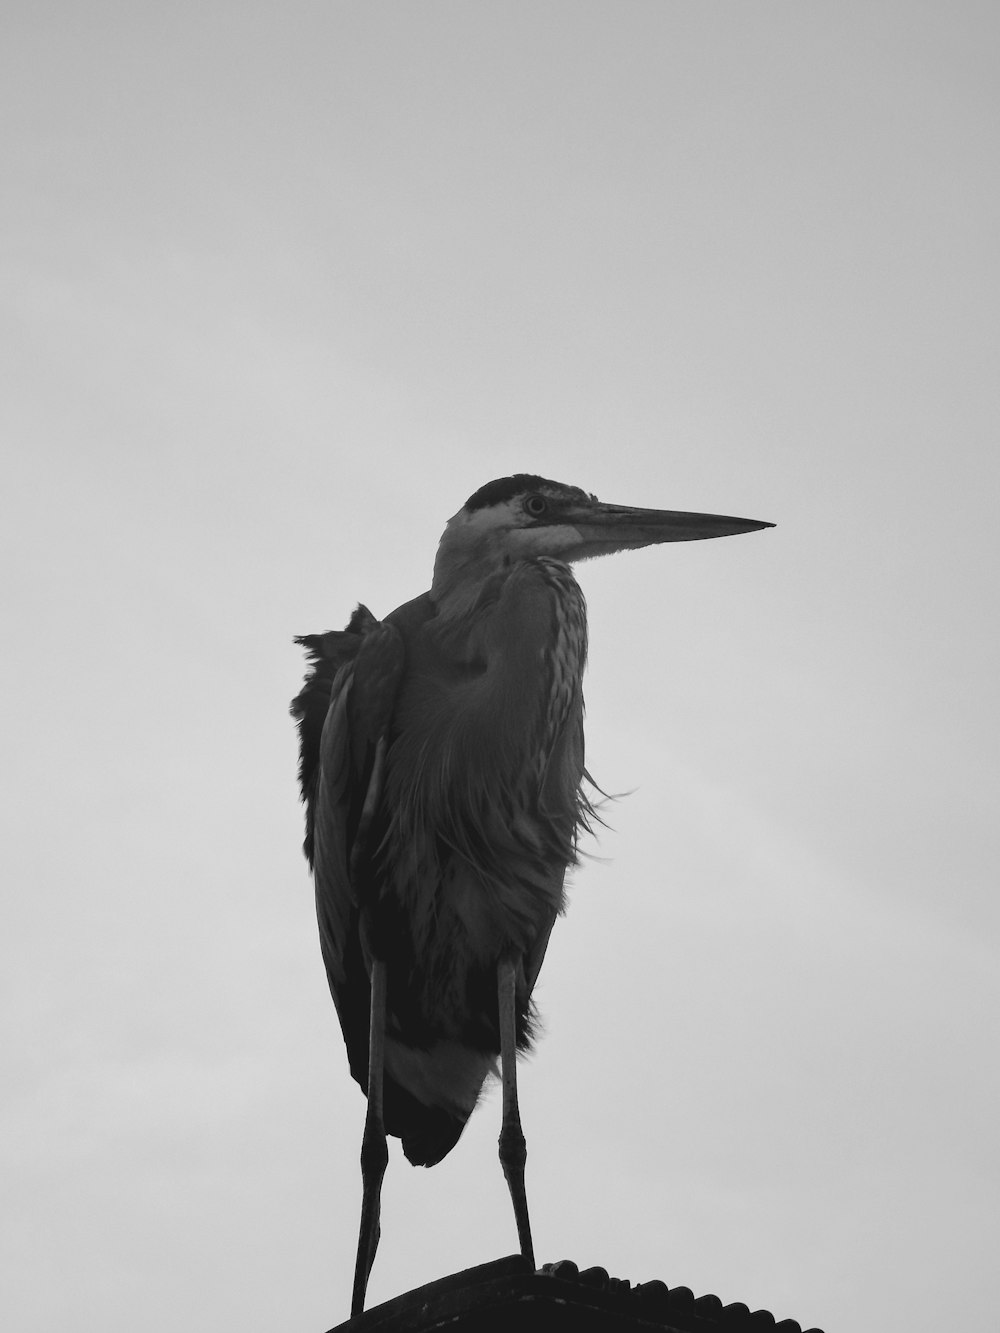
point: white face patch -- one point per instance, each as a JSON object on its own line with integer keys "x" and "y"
{"x": 475, "y": 545}
{"x": 477, "y": 527}
{"x": 556, "y": 541}
{"x": 504, "y": 532}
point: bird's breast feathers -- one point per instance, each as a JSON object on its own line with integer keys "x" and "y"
{"x": 485, "y": 761}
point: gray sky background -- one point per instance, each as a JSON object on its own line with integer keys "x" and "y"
{"x": 282, "y": 285}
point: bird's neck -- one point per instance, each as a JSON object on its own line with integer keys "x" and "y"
{"x": 460, "y": 578}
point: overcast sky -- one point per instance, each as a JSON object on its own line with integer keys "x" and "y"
{"x": 284, "y": 284}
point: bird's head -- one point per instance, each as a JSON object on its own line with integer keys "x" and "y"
{"x": 523, "y": 517}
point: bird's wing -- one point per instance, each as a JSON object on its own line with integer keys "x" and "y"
{"x": 345, "y": 713}
{"x": 328, "y": 655}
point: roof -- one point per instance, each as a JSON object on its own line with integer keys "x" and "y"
{"x": 508, "y": 1295}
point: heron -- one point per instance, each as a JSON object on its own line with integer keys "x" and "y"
{"x": 442, "y": 771}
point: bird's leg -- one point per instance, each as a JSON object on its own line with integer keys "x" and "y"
{"x": 374, "y": 1154}
{"x": 513, "y": 1150}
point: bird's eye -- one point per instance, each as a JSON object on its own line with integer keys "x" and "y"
{"x": 536, "y": 505}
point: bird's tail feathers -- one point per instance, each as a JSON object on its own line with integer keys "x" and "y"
{"x": 428, "y": 1133}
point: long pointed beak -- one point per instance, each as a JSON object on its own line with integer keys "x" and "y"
{"x": 605, "y": 528}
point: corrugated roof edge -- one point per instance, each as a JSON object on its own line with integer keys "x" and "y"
{"x": 465, "y": 1301}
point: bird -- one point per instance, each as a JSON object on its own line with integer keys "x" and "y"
{"x": 442, "y": 772}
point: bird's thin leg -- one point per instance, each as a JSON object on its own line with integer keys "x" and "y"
{"x": 513, "y": 1150}
{"x": 374, "y": 1154}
